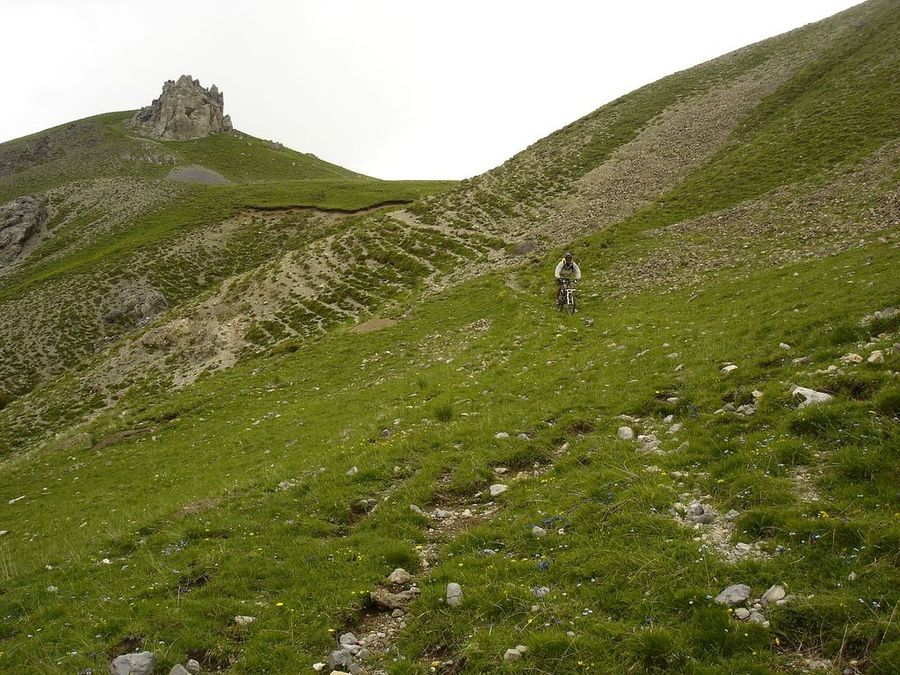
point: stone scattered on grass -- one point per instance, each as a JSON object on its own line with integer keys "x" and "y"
{"x": 512, "y": 655}
{"x": 340, "y": 658}
{"x": 523, "y": 437}
{"x": 538, "y": 531}
{"x": 386, "y": 600}
{"x": 454, "y": 595}
{"x": 729, "y": 368}
{"x": 876, "y": 357}
{"x": 241, "y": 620}
{"x": 773, "y": 595}
{"x": 348, "y": 639}
{"x": 757, "y": 617}
{"x": 399, "y": 577}
{"x": 352, "y": 471}
{"x": 140, "y": 663}
{"x": 415, "y": 509}
{"x": 851, "y": 358}
{"x": 540, "y": 591}
{"x": 784, "y": 345}
{"x": 626, "y": 433}
{"x": 501, "y": 435}
{"x": 193, "y": 666}
{"x": 734, "y": 595}
{"x": 649, "y": 442}
{"x": 179, "y": 669}
{"x": 498, "y": 489}
{"x": 811, "y": 396}
{"x": 698, "y": 512}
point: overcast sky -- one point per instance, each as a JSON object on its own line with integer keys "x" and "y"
{"x": 394, "y": 89}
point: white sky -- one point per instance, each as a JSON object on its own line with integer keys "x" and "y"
{"x": 393, "y": 88}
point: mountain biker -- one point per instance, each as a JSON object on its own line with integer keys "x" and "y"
{"x": 567, "y": 268}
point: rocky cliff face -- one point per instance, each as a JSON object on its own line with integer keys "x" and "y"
{"x": 21, "y": 222}
{"x": 184, "y": 110}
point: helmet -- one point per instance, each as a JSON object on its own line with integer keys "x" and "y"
{"x": 568, "y": 256}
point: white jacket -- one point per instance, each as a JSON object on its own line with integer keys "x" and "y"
{"x": 572, "y": 272}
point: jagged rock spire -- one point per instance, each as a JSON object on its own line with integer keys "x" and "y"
{"x": 184, "y": 110}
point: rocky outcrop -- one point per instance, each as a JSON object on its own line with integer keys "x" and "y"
{"x": 21, "y": 223}
{"x": 184, "y": 110}
{"x": 133, "y": 303}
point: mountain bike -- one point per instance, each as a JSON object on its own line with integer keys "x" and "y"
{"x": 565, "y": 298}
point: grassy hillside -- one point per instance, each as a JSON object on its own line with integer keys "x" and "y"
{"x": 239, "y": 503}
{"x": 119, "y": 228}
{"x": 103, "y": 146}
{"x": 254, "y": 450}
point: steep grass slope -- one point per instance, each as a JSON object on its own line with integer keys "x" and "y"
{"x": 238, "y": 496}
{"x": 122, "y": 242}
{"x": 282, "y": 488}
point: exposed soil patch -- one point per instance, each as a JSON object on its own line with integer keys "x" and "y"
{"x": 120, "y": 436}
{"x": 197, "y": 174}
{"x": 372, "y": 325}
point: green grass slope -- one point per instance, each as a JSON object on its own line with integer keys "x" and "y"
{"x": 118, "y": 224}
{"x": 103, "y": 145}
{"x": 282, "y": 488}
{"x": 163, "y": 519}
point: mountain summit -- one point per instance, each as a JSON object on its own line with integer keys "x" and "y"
{"x": 185, "y": 110}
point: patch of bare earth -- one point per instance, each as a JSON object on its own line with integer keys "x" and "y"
{"x": 373, "y": 325}
{"x": 676, "y": 142}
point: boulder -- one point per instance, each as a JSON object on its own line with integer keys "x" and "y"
{"x": 498, "y": 489}
{"x": 185, "y": 110}
{"x": 626, "y": 433}
{"x": 179, "y": 669}
{"x": 140, "y": 663}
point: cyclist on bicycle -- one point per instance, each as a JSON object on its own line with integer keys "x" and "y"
{"x": 566, "y": 269}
